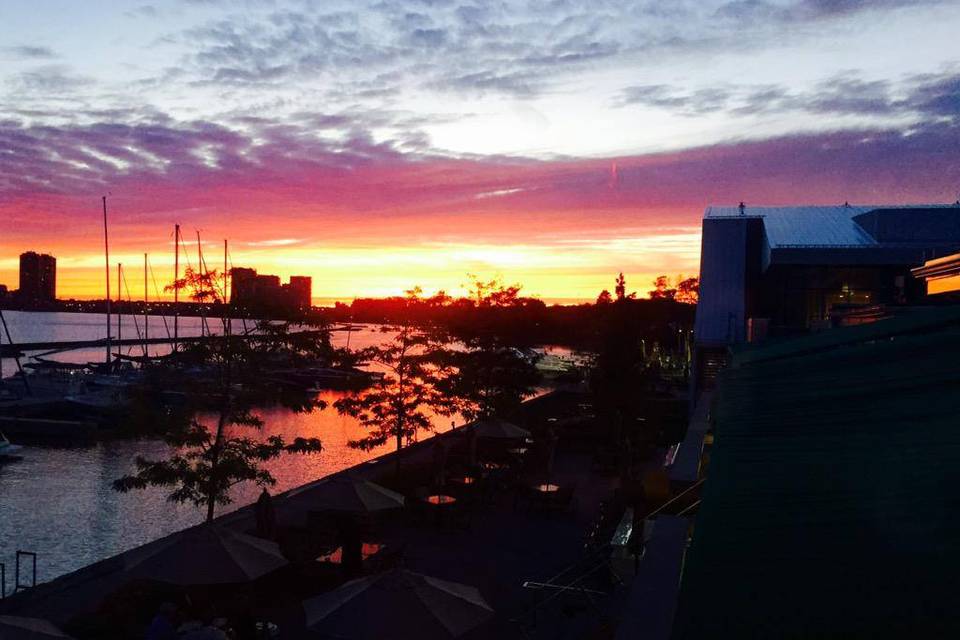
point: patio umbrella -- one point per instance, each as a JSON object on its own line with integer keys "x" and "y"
{"x": 343, "y": 493}
{"x": 496, "y": 428}
{"x": 18, "y": 628}
{"x": 205, "y": 555}
{"x": 397, "y": 604}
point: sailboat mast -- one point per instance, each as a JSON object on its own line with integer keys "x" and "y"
{"x": 226, "y": 296}
{"x": 176, "y": 288}
{"x": 146, "y": 310}
{"x": 106, "y": 255}
{"x": 202, "y": 270}
{"x": 16, "y": 357}
{"x": 119, "y": 307}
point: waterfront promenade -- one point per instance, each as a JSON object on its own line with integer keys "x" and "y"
{"x": 496, "y": 543}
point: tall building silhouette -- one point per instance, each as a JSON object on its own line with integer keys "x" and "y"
{"x": 300, "y": 291}
{"x": 38, "y": 277}
{"x": 261, "y": 291}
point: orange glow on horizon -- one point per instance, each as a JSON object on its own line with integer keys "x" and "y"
{"x": 562, "y": 270}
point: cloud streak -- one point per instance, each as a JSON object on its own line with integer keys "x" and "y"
{"x": 29, "y": 52}
{"x": 921, "y": 95}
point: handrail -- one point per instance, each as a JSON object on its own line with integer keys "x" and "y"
{"x": 560, "y": 589}
{"x": 599, "y": 553}
{"x": 692, "y": 506}
{"x": 675, "y": 498}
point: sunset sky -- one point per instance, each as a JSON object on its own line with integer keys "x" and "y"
{"x": 383, "y": 144}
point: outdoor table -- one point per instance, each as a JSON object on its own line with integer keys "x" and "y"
{"x": 547, "y": 488}
{"x": 336, "y": 556}
{"x": 440, "y": 503}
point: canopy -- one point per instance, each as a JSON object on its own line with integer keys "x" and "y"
{"x": 18, "y": 628}
{"x": 495, "y": 428}
{"x": 397, "y": 604}
{"x": 343, "y": 493}
{"x": 207, "y": 554}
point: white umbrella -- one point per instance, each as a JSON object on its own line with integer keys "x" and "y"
{"x": 19, "y": 628}
{"x": 397, "y": 604}
{"x": 496, "y": 428}
{"x": 203, "y": 555}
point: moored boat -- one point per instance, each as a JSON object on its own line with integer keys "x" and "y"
{"x": 8, "y": 450}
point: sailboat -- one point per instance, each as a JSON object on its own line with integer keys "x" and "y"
{"x": 8, "y": 449}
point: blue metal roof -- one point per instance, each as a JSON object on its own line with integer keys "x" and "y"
{"x": 806, "y": 226}
{"x": 823, "y": 226}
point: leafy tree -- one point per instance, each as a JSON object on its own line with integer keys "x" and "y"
{"x": 400, "y": 404}
{"x": 487, "y": 379}
{"x": 661, "y": 289}
{"x": 201, "y": 285}
{"x": 688, "y": 290}
{"x": 493, "y": 293}
{"x": 208, "y": 461}
{"x": 439, "y": 299}
{"x": 486, "y": 375}
{"x": 621, "y": 289}
{"x": 604, "y": 297}
{"x": 207, "y": 464}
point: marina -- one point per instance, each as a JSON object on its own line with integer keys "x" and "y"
{"x": 81, "y": 467}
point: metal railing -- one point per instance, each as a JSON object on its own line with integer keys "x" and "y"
{"x": 675, "y": 498}
{"x": 17, "y": 585}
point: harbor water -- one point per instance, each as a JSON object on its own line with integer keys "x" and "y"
{"x": 58, "y": 501}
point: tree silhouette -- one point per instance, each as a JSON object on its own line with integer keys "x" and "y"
{"x": 201, "y": 286}
{"x": 488, "y": 380}
{"x": 208, "y": 464}
{"x": 208, "y": 461}
{"x": 661, "y": 289}
{"x": 486, "y": 376}
{"x": 688, "y": 290}
{"x": 604, "y": 297}
{"x": 400, "y": 404}
{"x": 621, "y": 289}
{"x": 493, "y": 293}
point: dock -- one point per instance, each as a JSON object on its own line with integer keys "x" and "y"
{"x": 18, "y": 349}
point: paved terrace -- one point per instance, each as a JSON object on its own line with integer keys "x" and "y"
{"x": 496, "y": 543}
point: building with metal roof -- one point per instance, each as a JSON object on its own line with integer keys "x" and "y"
{"x": 785, "y": 270}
